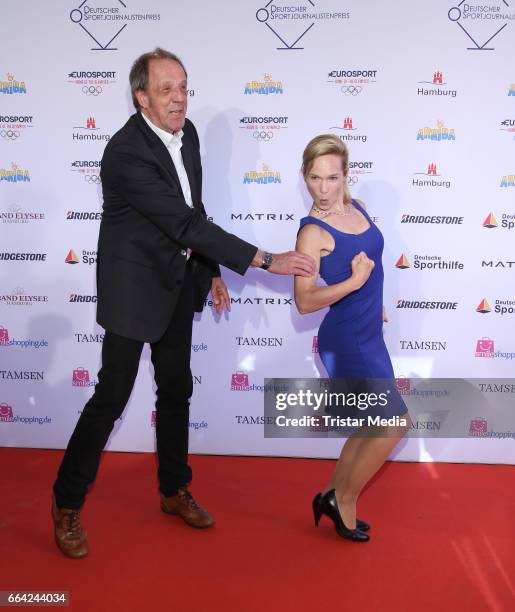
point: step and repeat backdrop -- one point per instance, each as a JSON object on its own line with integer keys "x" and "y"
{"x": 422, "y": 93}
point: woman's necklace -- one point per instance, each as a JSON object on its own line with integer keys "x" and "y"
{"x": 325, "y": 213}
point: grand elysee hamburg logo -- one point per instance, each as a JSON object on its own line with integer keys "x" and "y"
{"x": 16, "y": 214}
{"x": 12, "y": 87}
{"x": 102, "y": 21}
{"x": 289, "y": 22}
{"x": 481, "y": 22}
{"x": 20, "y": 297}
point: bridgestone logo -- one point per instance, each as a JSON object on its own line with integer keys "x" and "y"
{"x": 428, "y": 305}
{"x": 74, "y": 297}
{"x": 80, "y": 216}
{"x": 431, "y": 219}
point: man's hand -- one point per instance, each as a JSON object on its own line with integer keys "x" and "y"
{"x": 287, "y": 263}
{"x": 220, "y": 295}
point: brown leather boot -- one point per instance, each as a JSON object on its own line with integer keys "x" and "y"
{"x": 184, "y": 505}
{"x": 70, "y": 537}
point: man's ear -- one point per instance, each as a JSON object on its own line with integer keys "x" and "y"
{"x": 142, "y": 98}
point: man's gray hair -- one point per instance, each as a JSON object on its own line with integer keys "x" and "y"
{"x": 138, "y": 76}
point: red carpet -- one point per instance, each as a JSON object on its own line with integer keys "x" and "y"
{"x": 442, "y": 538}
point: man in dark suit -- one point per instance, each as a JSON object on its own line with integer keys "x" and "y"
{"x": 158, "y": 257}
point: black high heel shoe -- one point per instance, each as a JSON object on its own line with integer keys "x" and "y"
{"x": 317, "y": 513}
{"x": 330, "y": 509}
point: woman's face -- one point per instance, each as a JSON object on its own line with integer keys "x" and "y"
{"x": 325, "y": 181}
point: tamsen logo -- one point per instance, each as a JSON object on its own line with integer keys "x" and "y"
{"x": 423, "y": 345}
{"x": 266, "y": 177}
{"x": 437, "y": 87}
{"x": 12, "y": 86}
{"x": 90, "y": 169}
{"x": 291, "y": 22}
{"x": 14, "y": 175}
{"x": 19, "y": 297}
{"x": 437, "y": 134}
{"x": 428, "y": 262}
{"x": 16, "y": 214}
{"x": 481, "y": 22}
{"x": 431, "y": 219}
{"x": 81, "y": 337}
{"x": 105, "y": 23}
{"x": 352, "y": 82}
{"x": 349, "y": 131}
{"x": 508, "y": 181}
{"x": 22, "y": 375}
{"x": 259, "y": 341}
{"x": 75, "y": 215}
{"x": 13, "y": 126}
{"x": 484, "y": 307}
{"x": 92, "y": 82}
{"x": 89, "y": 131}
{"x": 71, "y": 258}
{"x": 265, "y": 87}
{"x": 434, "y": 179}
{"x": 263, "y": 128}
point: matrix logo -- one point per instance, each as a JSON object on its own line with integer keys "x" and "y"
{"x": 481, "y": 22}
{"x": 12, "y": 86}
{"x": 290, "y": 22}
{"x": 101, "y": 21}
{"x": 265, "y": 87}
{"x": 14, "y": 175}
{"x": 437, "y": 134}
{"x": 434, "y": 179}
{"x": 436, "y": 87}
{"x": 266, "y": 177}
{"x": 349, "y": 131}
{"x": 484, "y": 307}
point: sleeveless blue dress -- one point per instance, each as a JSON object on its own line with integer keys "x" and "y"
{"x": 350, "y": 338}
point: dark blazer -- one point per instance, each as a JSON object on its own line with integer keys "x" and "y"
{"x": 146, "y": 228}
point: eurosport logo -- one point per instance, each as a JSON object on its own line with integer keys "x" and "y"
{"x": 262, "y": 216}
{"x": 266, "y": 87}
{"x": 6, "y": 341}
{"x": 81, "y": 378}
{"x": 89, "y": 131}
{"x": 352, "y": 82}
{"x": 256, "y": 301}
{"x": 507, "y": 181}
{"x": 289, "y": 22}
{"x": 76, "y": 215}
{"x": 81, "y": 298}
{"x": 480, "y": 22}
{"x": 437, "y": 86}
{"x": 357, "y": 170}
{"x": 265, "y": 177}
{"x": 88, "y": 257}
{"x": 501, "y": 307}
{"x": 92, "y": 82}
{"x": 19, "y": 297}
{"x": 263, "y": 128}
{"x": 14, "y": 175}
{"x": 12, "y": 87}
{"x": 89, "y": 169}
{"x": 431, "y": 219}
{"x": 8, "y": 415}
{"x": 14, "y": 126}
{"x": 426, "y": 305}
{"x": 102, "y": 22}
{"x": 81, "y": 337}
{"x": 433, "y": 179}
{"x": 428, "y": 262}
{"x": 508, "y": 127}
{"x": 507, "y": 221}
{"x": 348, "y": 132}
{"x": 16, "y": 214}
{"x": 437, "y": 134}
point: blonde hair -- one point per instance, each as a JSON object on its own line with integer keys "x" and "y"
{"x": 327, "y": 144}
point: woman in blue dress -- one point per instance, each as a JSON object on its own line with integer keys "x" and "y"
{"x": 347, "y": 249}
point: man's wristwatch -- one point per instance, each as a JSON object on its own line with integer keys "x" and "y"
{"x": 268, "y": 259}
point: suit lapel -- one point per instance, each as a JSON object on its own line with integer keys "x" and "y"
{"x": 187, "y": 158}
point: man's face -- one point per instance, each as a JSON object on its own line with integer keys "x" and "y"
{"x": 166, "y": 98}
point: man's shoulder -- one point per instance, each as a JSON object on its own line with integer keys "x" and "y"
{"x": 190, "y": 131}
{"x": 126, "y": 133}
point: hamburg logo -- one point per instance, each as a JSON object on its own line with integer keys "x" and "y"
{"x": 71, "y": 258}
{"x": 14, "y": 175}
{"x": 102, "y": 23}
{"x": 348, "y": 129}
{"x": 290, "y": 22}
{"x": 485, "y": 347}
{"x": 265, "y": 87}
{"x": 89, "y": 131}
{"x": 436, "y": 87}
{"x": 484, "y": 307}
{"x": 11, "y": 86}
{"x": 508, "y": 181}
{"x": 440, "y": 132}
{"x": 478, "y": 427}
{"x": 481, "y": 22}
{"x": 262, "y": 178}
{"x": 402, "y": 262}
{"x": 240, "y": 381}
{"x": 434, "y": 180}
{"x": 490, "y": 221}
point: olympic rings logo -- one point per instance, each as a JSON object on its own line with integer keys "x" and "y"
{"x": 91, "y": 90}
{"x": 352, "y": 180}
{"x": 92, "y": 178}
{"x": 10, "y": 134}
{"x": 263, "y": 135}
{"x": 352, "y": 90}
